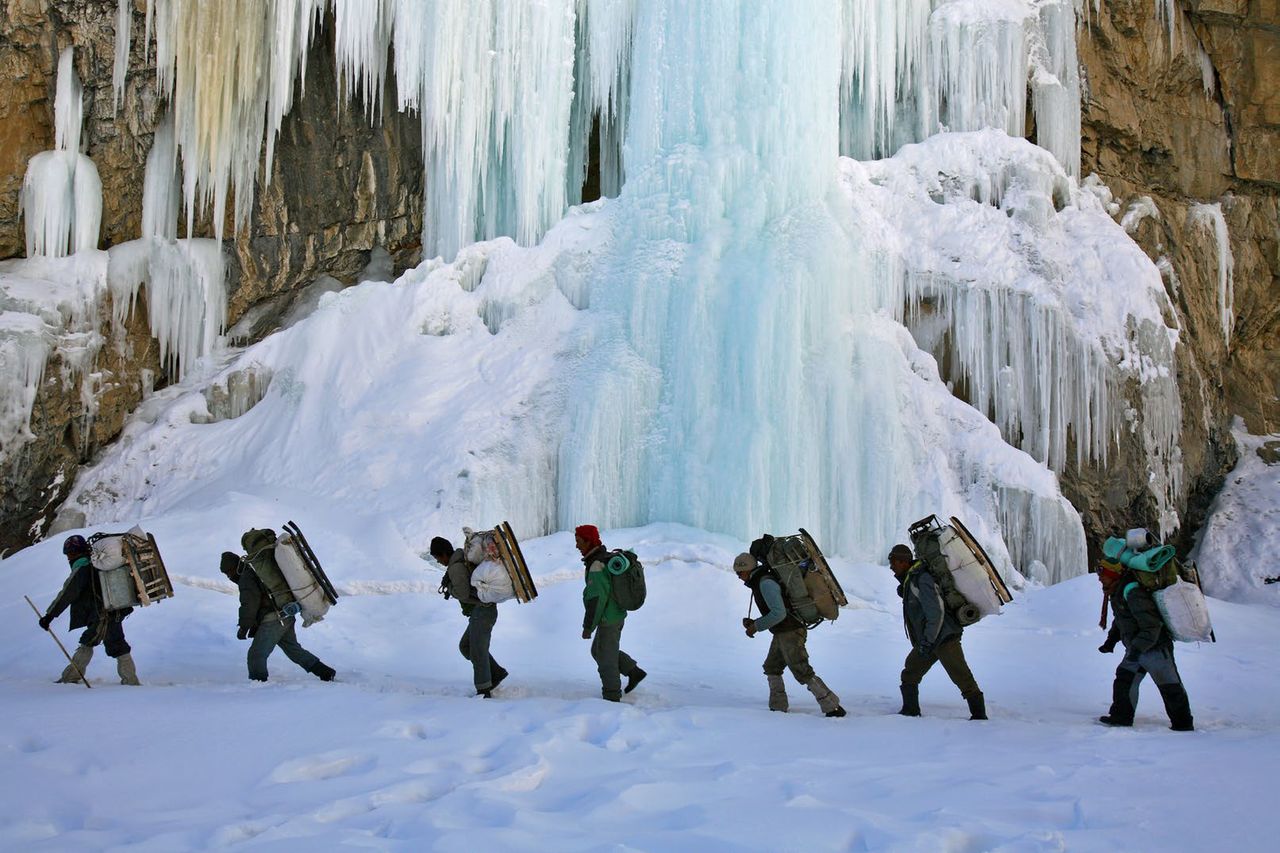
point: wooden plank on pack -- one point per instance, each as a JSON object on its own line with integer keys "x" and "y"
{"x": 820, "y": 560}
{"x": 509, "y": 563}
{"x": 309, "y": 557}
{"x": 531, "y": 589}
{"x": 997, "y": 582}
{"x": 163, "y": 572}
{"x": 131, "y": 559}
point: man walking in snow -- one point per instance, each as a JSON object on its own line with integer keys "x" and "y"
{"x": 267, "y": 627}
{"x": 934, "y": 633}
{"x": 81, "y": 594}
{"x": 787, "y": 648}
{"x": 604, "y": 617}
{"x": 486, "y": 672}
{"x": 1148, "y": 649}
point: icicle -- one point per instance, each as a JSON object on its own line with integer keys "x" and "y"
{"x": 186, "y": 294}
{"x": 124, "y": 39}
{"x": 61, "y": 197}
{"x": 161, "y": 192}
{"x": 979, "y": 68}
{"x": 68, "y": 106}
{"x": 48, "y": 306}
{"x": 24, "y": 350}
{"x": 884, "y": 77}
{"x": 1055, "y": 83}
{"x": 1210, "y": 217}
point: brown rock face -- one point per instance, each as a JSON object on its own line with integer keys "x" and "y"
{"x": 1190, "y": 124}
{"x": 341, "y": 186}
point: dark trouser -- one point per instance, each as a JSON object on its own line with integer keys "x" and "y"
{"x": 952, "y": 657}
{"x": 1164, "y": 672}
{"x": 108, "y": 630}
{"x": 273, "y": 632}
{"x": 474, "y": 646}
{"x": 611, "y": 662}
{"x": 788, "y": 649}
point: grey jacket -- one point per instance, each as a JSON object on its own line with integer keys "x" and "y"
{"x": 928, "y": 622}
{"x": 459, "y": 572}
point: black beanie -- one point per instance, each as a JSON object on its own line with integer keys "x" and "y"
{"x": 441, "y": 547}
{"x": 230, "y": 565}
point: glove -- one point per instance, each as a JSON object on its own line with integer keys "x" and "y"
{"x": 46, "y": 621}
{"x": 586, "y": 633}
{"x": 244, "y": 633}
{"x": 1107, "y": 648}
{"x": 749, "y": 624}
{"x": 924, "y": 650}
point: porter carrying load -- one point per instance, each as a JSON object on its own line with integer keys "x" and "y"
{"x": 131, "y": 572}
{"x": 970, "y": 585}
{"x": 290, "y": 572}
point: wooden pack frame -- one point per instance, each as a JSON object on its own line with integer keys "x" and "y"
{"x": 145, "y": 566}
{"x": 513, "y": 560}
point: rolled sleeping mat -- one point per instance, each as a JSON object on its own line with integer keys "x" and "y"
{"x": 1153, "y": 560}
{"x": 1113, "y": 548}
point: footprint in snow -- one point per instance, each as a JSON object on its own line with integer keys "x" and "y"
{"x": 327, "y": 765}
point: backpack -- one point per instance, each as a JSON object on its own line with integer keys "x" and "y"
{"x": 1155, "y": 568}
{"x": 626, "y": 579}
{"x": 259, "y": 547}
{"x": 926, "y": 538}
{"x": 807, "y": 598}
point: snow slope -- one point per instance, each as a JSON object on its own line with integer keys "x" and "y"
{"x": 1238, "y": 544}
{"x": 396, "y": 755}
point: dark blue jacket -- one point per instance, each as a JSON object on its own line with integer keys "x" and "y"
{"x": 928, "y": 622}
{"x": 1137, "y": 617}
{"x": 81, "y": 594}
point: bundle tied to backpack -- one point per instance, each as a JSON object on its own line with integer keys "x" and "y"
{"x": 970, "y": 586}
{"x": 626, "y": 579}
{"x": 289, "y": 572}
{"x": 1174, "y": 585}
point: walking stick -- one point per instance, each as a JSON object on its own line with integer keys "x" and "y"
{"x": 59, "y": 642}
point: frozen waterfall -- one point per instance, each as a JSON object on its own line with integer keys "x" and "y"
{"x": 740, "y": 361}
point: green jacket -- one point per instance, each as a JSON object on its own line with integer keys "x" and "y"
{"x": 597, "y": 597}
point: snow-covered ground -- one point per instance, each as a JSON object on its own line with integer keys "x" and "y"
{"x": 1237, "y": 546}
{"x": 396, "y": 754}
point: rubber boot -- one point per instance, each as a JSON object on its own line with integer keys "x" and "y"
{"x": 777, "y": 694}
{"x": 1121, "y": 713}
{"x": 977, "y": 706}
{"x": 910, "y": 700}
{"x": 321, "y": 671}
{"x": 1178, "y": 707}
{"x": 828, "y": 701}
{"x": 80, "y": 660}
{"x": 127, "y": 671}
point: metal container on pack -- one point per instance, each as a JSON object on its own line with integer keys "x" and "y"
{"x": 131, "y": 572}
{"x": 970, "y": 585}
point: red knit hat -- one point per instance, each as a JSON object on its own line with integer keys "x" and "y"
{"x": 589, "y": 533}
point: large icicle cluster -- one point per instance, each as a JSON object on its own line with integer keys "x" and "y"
{"x": 62, "y": 194}
{"x": 509, "y": 90}
{"x": 46, "y": 304}
{"x": 1047, "y": 318}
